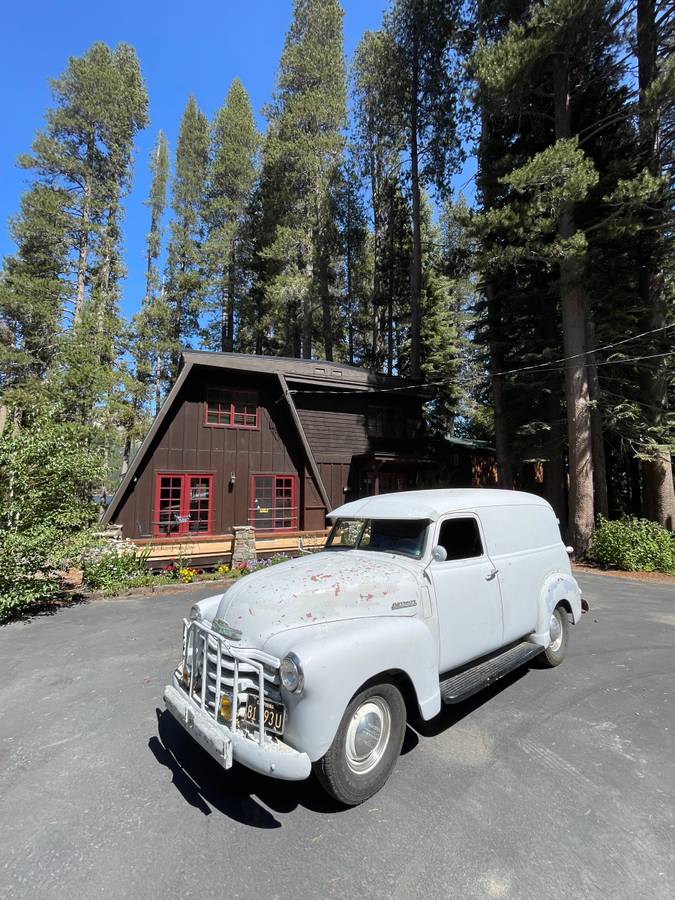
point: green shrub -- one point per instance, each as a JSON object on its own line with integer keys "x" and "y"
{"x": 48, "y": 473}
{"x": 110, "y": 567}
{"x": 636, "y": 545}
{"x": 26, "y": 578}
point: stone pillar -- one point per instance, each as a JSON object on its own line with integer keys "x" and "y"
{"x": 243, "y": 545}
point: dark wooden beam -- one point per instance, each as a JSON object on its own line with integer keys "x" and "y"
{"x": 305, "y": 443}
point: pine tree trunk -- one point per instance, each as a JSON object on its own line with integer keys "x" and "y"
{"x": 158, "y": 383}
{"x": 600, "y": 494}
{"x": 177, "y": 331}
{"x": 231, "y": 290}
{"x": 416, "y": 262}
{"x": 126, "y": 454}
{"x": 307, "y": 325}
{"x": 658, "y": 489}
{"x": 326, "y": 319}
{"x": 376, "y": 188}
{"x": 573, "y": 303}
{"x": 349, "y": 299}
{"x": 149, "y": 272}
{"x": 227, "y": 307}
{"x": 391, "y": 289}
{"x": 494, "y": 314}
{"x": 554, "y": 470}
{"x": 224, "y": 302}
{"x": 83, "y": 253}
{"x": 502, "y": 440}
{"x": 306, "y": 330}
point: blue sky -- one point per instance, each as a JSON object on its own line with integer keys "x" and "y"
{"x": 184, "y": 48}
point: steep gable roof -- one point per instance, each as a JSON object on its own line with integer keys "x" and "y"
{"x": 324, "y": 375}
{"x": 314, "y": 371}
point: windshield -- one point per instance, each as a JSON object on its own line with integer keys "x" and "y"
{"x": 404, "y": 536}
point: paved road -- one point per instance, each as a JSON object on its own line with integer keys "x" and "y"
{"x": 554, "y": 784}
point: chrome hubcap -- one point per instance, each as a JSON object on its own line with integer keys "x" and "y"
{"x": 368, "y": 735}
{"x": 556, "y": 632}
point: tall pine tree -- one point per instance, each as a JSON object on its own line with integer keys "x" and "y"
{"x": 185, "y": 281}
{"x": 303, "y": 150}
{"x": 232, "y": 172}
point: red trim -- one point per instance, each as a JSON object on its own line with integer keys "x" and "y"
{"x": 220, "y": 408}
{"x": 178, "y": 504}
{"x": 276, "y": 496}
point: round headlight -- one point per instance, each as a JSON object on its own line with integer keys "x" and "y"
{"x": 196, "y": 614}
{"x": 291, "y": 673}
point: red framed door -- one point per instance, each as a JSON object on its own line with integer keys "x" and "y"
{"x": 273, "y": 502}
{"x": 183, "y": 504}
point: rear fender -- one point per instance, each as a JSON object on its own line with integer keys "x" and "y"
{"x": 558, "y": 588}
{"x": 339, "y": 657}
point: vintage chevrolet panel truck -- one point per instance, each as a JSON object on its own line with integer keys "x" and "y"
{"x": 419, "y": 599}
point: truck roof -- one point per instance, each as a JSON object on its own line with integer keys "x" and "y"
{"x": 431, "y": 504}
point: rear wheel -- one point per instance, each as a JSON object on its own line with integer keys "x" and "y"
{"x": 366, "y": 746}
{"x": 554, "y": 654}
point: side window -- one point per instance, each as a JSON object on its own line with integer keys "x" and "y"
{"x": 461, "y": 538}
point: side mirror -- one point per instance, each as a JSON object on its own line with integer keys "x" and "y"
{"x": 439, "y": 554}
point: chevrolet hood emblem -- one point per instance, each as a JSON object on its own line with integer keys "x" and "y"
{"x": 222, "y": 628}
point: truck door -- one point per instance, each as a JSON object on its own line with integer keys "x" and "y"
{"x": 467, "y": 590}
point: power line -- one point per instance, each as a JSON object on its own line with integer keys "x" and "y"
{"x": 603, "y": 362}
{"x": 564, "y": 359}
{"x": 553, "y": 366}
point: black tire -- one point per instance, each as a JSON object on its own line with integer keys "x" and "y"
{"x": 336, "y": 770}
{"x": 554, "y": 654}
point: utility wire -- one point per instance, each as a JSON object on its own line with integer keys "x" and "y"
{"x": 551, "y": 367}
{"x": 555, "y": 362}
{"x": 603, "y": 362}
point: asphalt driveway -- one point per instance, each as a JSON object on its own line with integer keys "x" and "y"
{"x": 555, "y": 784}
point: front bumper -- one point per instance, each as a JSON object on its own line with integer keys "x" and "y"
{"x": 273, "y": 757}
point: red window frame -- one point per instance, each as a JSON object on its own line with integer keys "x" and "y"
{"x": 280, "y": 490}
{"x": 173, "y": 505}
{"x": 221, "y": 403}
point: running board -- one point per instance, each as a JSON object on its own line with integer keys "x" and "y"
{"x": 470, "y": 681}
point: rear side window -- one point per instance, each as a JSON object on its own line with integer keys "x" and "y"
{"x": 461, "y": 538}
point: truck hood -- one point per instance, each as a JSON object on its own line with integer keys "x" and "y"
{"x": 325, "y": 587}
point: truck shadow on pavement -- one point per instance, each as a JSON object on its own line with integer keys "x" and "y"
{"x": 240, "y": 793}
{"x": 207, "y": 787}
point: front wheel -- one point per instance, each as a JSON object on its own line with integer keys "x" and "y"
{"x": 366, "y": 746}
{"x": 554, "y": 654}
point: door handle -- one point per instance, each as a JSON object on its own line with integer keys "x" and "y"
{"x": 492, "y": 574}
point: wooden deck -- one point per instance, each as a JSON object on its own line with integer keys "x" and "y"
{"x": 218, "y": 547}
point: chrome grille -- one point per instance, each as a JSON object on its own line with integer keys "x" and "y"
{"x": 216, "y": 669}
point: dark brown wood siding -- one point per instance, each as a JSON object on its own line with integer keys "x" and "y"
{"x": 186, "y": 444}
{"x": 336, "y": 425}
{"x": 351, "y": 457}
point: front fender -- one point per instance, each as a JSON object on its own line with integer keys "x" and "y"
{"x": 557, "y": 588}
{"x": 338, "y": 657}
